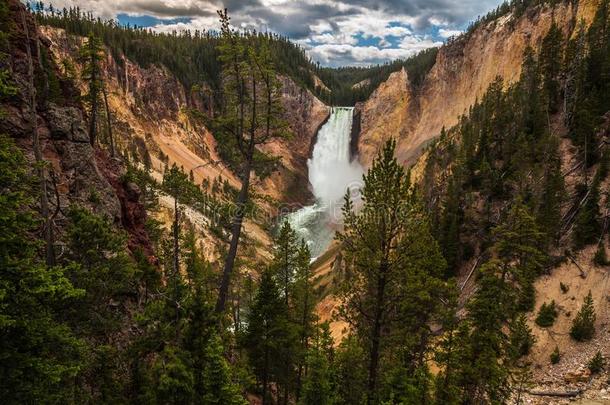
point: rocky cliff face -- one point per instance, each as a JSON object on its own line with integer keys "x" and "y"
{"x": 388, "y": 112}
{"x": 158, "y": 122}
{"x": 76, "y": 173}
{"x": 152, "y": 105}
{"x": 59, "y": 123}
{"x": 462, "y": 73}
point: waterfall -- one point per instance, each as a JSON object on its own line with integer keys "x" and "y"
{"x": 331, "y": 173}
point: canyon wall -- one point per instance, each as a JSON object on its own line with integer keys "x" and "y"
{"x": 156, "y": 119}
{"x": 151, "y": 104}
{"x": 462, "y": 73}
{"x": 75, "y": 172}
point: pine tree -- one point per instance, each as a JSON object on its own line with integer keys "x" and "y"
{"x": 553, "y": 193}
{"x": 519, "y": 247}
{"x": 350, "y": 372}
{"x": 317, "y": 388}
{"x": 218, "y": 389}
{"x": 198, "y": 332}
{"x": 601, "y": 258}
{"x": 546, "y": 315}
{"x": 587, "y": 228}
{"x": 303, "y": 311}
{"x": 555, "y": 356}
{"x": 575, "y": 71}
{"x": 103, "y": 269}
{"x": 197, "y": 268}
{"x": 534, "y": 121}
{"x": 285, "y": 258}
{"x": 581, "y": 95}
{"x": 267, "y": 333}
{"x": 447, "y": 355}
{"x": 91, "y": 56}
{"x": 550, "y": 65}
{"x": 583, "y": 326}
{"x": 598, "y": 60}
{"x": 176, "y": 183}
{"x": 173, "y": 376}
{"x": 252, "y": 116}
{"x": 596, "y": 364}
{"x": 41, "y": 356}
{"x": 483, "y": 375}
{"x": 521, "y": 338}
{"x": 522, "y": 380}
{"x": 393, "y": 286}
{"x": 450, "y": 226}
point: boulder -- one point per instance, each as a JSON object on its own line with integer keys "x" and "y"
{"x": 577, "y": 376}
{"x": 66, "y": 123}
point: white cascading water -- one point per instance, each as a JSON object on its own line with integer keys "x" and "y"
{"x": 331, "y": 173}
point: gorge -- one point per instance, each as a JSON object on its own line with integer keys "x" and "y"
{"x": 489, "y": 210}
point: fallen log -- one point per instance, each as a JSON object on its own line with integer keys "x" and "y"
{"x": 476, "y": 263}
{"x": 583, "y": 274}
{"x": 560, "y": 394}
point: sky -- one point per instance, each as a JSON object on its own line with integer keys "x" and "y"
{"x": 333, "y": 32}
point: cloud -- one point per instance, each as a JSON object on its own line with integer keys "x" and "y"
{"x": 452, "y": 12}
{"x": 345, "y": 54}
{"x": 334, "y": 32}
{"x": 157, "y": 8}
{"x": 443, "y": 33}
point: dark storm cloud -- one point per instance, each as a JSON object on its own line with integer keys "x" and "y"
{"x": 423, "y": 11}
{"x": 295, "y": 25}
{"x": 161, "y": 8}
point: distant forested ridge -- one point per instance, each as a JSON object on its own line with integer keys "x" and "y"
{"x": 352, "y": 84}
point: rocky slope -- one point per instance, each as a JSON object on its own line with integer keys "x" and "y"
{"x": 462, "y": 72}
{"x": 152, "y": 104}
{"x": 76, "y": 174}
{"x": 153, "y": 119}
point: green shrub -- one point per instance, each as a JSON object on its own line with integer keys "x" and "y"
{"x": 546, "y": 315}
{"x": 583, "y": 327}
{"x": 600, "y": 258}
{"x": 521, "y": 338}
{"x": 596, "y": 364}
{"x": 94, "y": 197}
{"x": 555, "y": 356}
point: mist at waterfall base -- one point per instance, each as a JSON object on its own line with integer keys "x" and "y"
{"x": 331, "y": 173}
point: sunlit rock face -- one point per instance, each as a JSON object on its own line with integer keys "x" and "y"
{"x": 463, "y": 71}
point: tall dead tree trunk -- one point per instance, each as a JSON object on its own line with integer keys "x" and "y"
{"x": 176, "y": 264}
{"x": 94, "y": 101}
{"x": 108, "y": 120}
{"x": 40, "y": 163}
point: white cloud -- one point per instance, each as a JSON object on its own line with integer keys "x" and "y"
{"x": 156, "y": 8}
{"x": 443, "y": 33}
{"x": 333, "y": 38}
{"x": 342, "y": 54}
